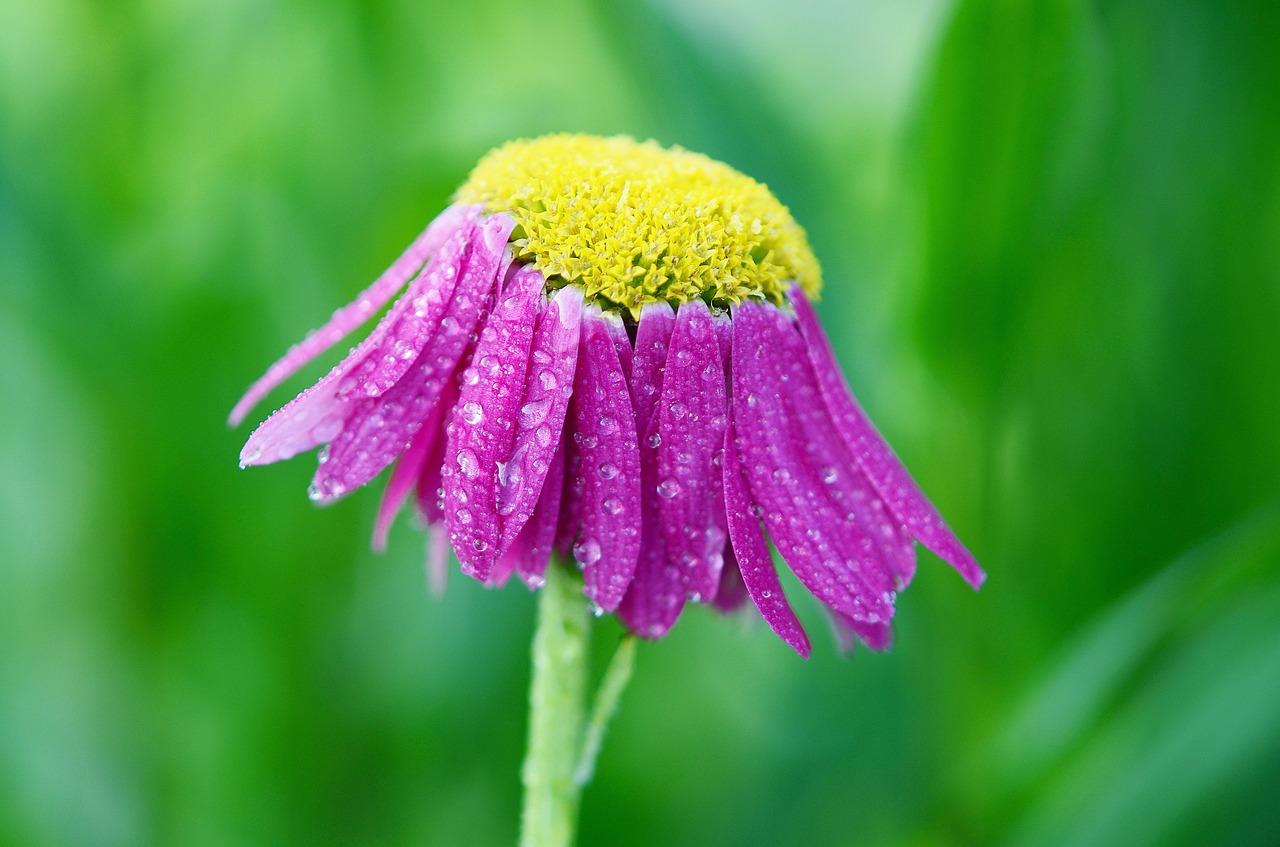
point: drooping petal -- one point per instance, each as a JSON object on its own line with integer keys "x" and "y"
{"x": 531, "y": 548}
{"x": 657, "y": 594}
{"x": 752, "y": 555}
{"x": 877, "y": 636}
{"x": 317, "y": 415}
{"x": 692, "y": 416}
{"x": 484, "y": 427}
{"x": 890, "y": 477}
{"x": 609, "y": 463}
{"x": 569, "y": 523}
{"x": 437, "y": 559}
{"x": 541, "y": 413}
{"x": 378, "y": 428}
{"x": 429, "y": 491}
{"x": 732, "y": 592}
{"x": 781, "y": 422}
{"x": 427, "y": 307}
{"x": 406, "y": 474}
{"x": 358, "y": 311}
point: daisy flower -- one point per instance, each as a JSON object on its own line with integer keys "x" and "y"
{"x": 607, "y": 350}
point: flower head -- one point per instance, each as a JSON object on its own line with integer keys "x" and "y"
{"x": 607, "y": 348}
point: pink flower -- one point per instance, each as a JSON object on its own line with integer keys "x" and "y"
{"x": 573, "y": 367}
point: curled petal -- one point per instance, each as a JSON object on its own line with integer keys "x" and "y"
{"x": 608, "y": 463}
{"x": 358, "y": 311}
{"x": 890, "y": 477}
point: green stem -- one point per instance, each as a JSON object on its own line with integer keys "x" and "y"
{"x": 615, "y": 680}
{"x": 550, "y": 812}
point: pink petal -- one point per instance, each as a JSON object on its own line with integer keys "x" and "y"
{"x": 426, "y": 307}
{"x": 692, "y": 416}
{"x": 732, "y": 592}
{"x": 437, "y": 559}
{"x": 540, "y": 419}
{"x": 782, "y": 424}
{"x": 379, "y": 428}
{"x": 405, "y": 475}
{"x": 657, "y": 593}
{"x": 430, "y": 488}
{"x": 531, "y": 548}
{"x": 609, "y": 463}
{"x": 317, "y": 415}
{"x": 483, "y": 430}
{"x": 752, "y": 556}
{"x": 349, "y": 317}
{"x": 890, "y": 477}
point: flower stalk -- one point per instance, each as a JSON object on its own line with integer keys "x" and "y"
{"x": 556, "y": 692}
{"x": 562, "y": 751}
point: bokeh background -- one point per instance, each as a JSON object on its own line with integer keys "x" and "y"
{"x": 1051, "y": 235}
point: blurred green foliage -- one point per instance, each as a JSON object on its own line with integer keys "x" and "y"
{"x": 1051, "y": 234}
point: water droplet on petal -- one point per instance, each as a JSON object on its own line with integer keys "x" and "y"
{"x": 468, "y": 463}
{"x": 587, "y": 552}
{"x": 472, "y": 413}
{"x": 668, "y": 488}
{"x": 535, "y": 412}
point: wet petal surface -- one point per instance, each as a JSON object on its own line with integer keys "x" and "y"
{"x": 346, "y": 319}
{"x": 484, "y": 425}
{"x": 890, "y": 477}
{"x": 657, "y": 594}
{"x": 781, "y": 423}
{"x": 608, "y": 463}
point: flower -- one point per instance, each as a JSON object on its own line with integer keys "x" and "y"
{"x": 607, "y": 349}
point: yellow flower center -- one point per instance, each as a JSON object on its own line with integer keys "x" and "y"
{"x": 633, "y": 223}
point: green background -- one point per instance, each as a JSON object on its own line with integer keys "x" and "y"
{"x": 1051, "y": 237}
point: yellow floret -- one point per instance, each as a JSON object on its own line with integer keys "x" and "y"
{"x": 633, "y": 223}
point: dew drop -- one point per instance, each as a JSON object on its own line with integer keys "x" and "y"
{"x": 472, "y": 414}
{"x": 668, "y": 488}
{"x": 587, "y": 552}
{"x": 534, "y": 412}
{"x": 608, "y": 470}
{"x": 468, "y": 463}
